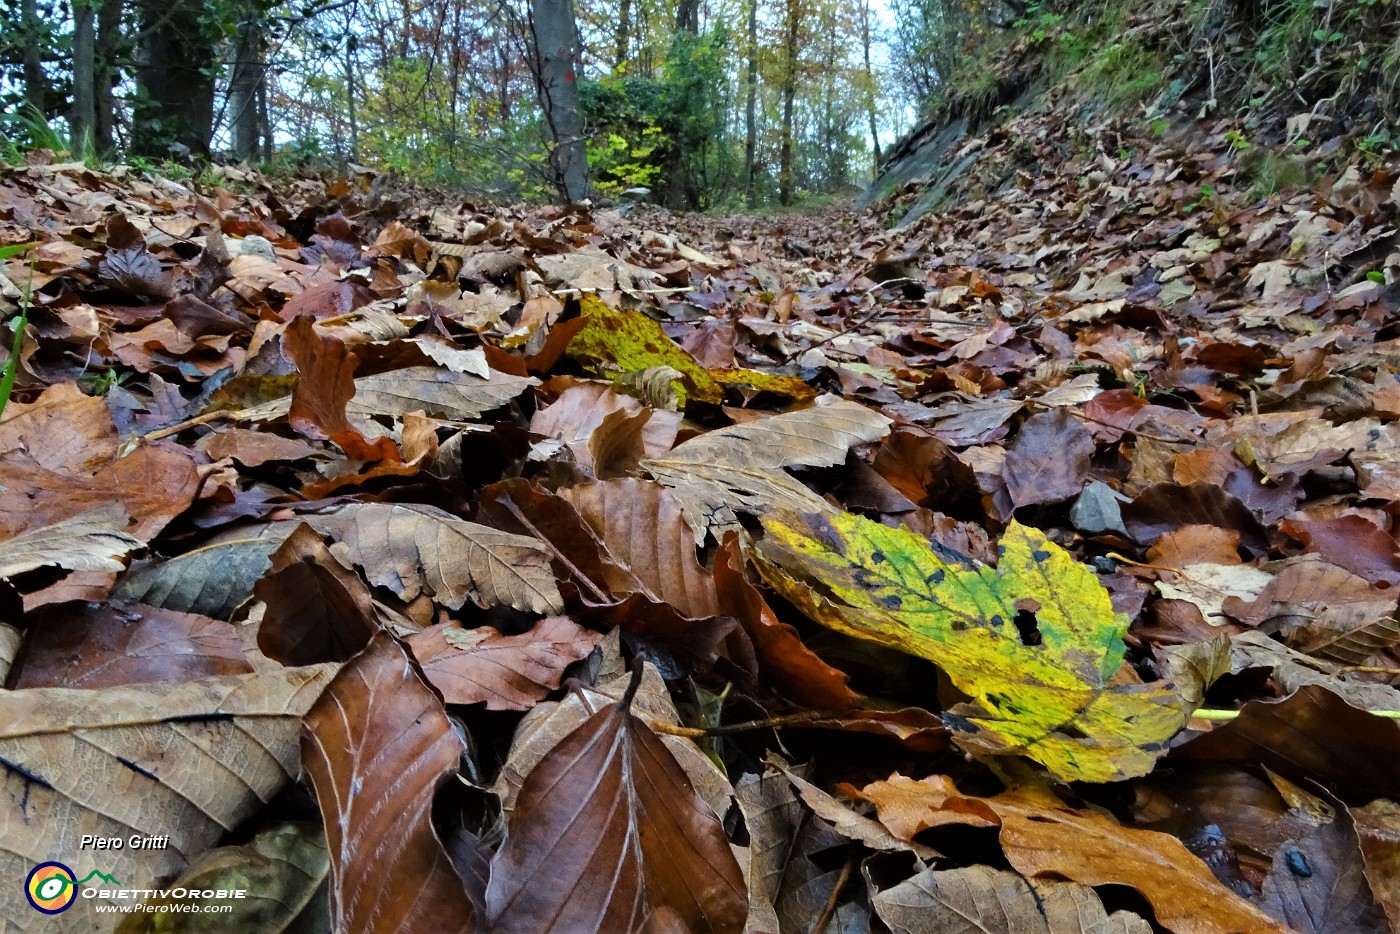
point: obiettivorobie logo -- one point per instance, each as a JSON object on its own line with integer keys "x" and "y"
{"x": 52, "y": 887}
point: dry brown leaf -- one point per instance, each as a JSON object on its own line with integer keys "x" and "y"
{"x": 254, "y": 448}
{"x": 640, "y": 524}
{"x": 548, "y": 723}
{"x": 1042, "y": 836}
{"x": 980, "y": 900}
{"x": 1324, "y": 610}
{"x": 474, "y": 666}
{"x": 146, "y": 759}
{"x": 59, "y": 458}
{"x": 580, "y": 410}
{"x": 90, "y": 645}
{"x": 741, "y": 468}
{"x": 316, "y": 609}
{"x": 90, "y": 541}
{"x": 377, "y": 747}
{"x": 609, "y": 835}
{"x": 416, "y": 549}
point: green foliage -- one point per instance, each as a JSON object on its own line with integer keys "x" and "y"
{"x": 99, "y": 384}
{"x": 17, "y": 324}
{"x": 26, "y": 129}
{"x": 1122, "y": 73}
{"x": 668, "y": 129}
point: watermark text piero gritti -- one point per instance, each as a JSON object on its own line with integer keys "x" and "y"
{"x": 134, "y": 842}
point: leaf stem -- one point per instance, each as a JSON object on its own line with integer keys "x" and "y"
{"x": 699, "y": 732}
{"x": 1205, "y": 714}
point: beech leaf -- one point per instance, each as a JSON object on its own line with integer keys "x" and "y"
{"x": 607, "y": 835}
{"x": 377, "y": 746}
{"x": 979, "y": 900}
{"x": 474, "y": 666}
{"x": 740, "y": 468}
{"x": 151, "y": 759}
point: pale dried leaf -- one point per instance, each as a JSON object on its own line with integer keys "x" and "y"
{"x": 152, "y": 759}
{"x": 740, "y": 468}
{"x": 981, "y": 900}
{"x": 90, "y": 541}
{"x": 417, "y": 549}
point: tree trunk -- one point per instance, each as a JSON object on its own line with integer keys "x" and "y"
{"x": 109, "y": 25}
{"x": 82, "y": 119}
{"x": 750, "y": 105}
{"x": 869, "y": 83}
{"x": 266, "y": 119}
{"x": 174, "y": 106}
{"x": 243, "y": 88}
{"x": 785, "y": 166}
{"x": 350, "y": 45}
{"x": 31, "y": 27}
{"x": 688, "y": 16}
{"x": 556, "y": 40}
{"x": 622, "y": 35}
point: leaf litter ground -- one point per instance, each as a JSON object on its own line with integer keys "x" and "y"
{"x": 1026, "y": 568}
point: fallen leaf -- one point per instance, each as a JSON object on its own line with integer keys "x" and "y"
{"x": 282, "y": 872}
{"x": 90, "y": 541}
{"x": 981, "y": 899}
{"x": 87, "y": 645}
{"x": 1048, "y": 461}
{"x": 607, "y": 834}
{"x": 474, "y": 666}
{"x": 316, "y": 609}
{"x": 740, "y": 468}
{"x": 1043, "y": 837}
{"x": 640, "y": 525}
{"x": 213, "y": 580}
{"x": 1034, "y": 641}
{"x": 417, "y": 549}
{"x": 145, "y": 752}
{"x": 377, "y": 746}
{"x": 1378, "y": 828}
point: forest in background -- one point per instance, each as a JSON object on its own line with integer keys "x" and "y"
{"x": 713, "y": 104}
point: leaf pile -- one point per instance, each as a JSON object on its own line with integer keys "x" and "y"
{"x": 431, "y": 566}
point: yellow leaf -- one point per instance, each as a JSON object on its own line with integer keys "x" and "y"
{"x": 1040, "y": 689}
{"x": 776, "y": 383}
{"x": 629, "y": 341}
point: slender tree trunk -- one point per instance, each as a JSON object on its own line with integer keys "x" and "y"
{"x": 750, "y": 106}
{"x": 350, "y": 99}
{"x": 266, "y": 118}
{"x": 555, "y": 48}
{"x": 31, "y": 27}
{"x": 109, "y": 24}
{"x": 688, "y": 16}
{"x": 243, "y": 88}
{"x": 785, "y": 154}
{"x": 869, "y": 84}
{"x": 82, "y": 119}
{"x": 622, "y": 35}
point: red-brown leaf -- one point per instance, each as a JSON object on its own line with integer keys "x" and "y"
{"x": 474, "y": 666}
{"x": 607, "y": 835}
{"x": 377, "y": 746}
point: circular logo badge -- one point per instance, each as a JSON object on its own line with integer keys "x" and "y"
{"x": 51, "y": 888}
